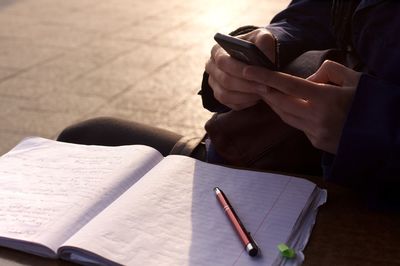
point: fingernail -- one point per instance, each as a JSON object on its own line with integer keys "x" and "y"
{"x": 247, "y": 72}
{"x": 261, "y": 89}
{"x": 244, "y": 72}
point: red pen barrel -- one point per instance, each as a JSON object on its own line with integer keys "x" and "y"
{"x": 235, "y": 222}
{"x": 244, "y": 236}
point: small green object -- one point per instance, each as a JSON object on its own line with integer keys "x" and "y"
{"x": 286, "y": 251}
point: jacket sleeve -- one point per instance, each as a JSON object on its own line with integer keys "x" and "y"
{"x": 304, "y": 25}
{"x": 368, "y": 156}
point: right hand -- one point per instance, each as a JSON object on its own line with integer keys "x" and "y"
{"x": 318, "y": 105}
{"x": 226, "y": 73}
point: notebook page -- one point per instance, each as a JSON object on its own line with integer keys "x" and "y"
{"x": 302, "y": 230}
{"x": 172, "y": 217}
{"x": 49, "y": 189}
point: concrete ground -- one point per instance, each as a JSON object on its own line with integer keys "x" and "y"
{"x": 66, "y": 61}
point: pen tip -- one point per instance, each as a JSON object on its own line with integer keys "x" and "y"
{"x": 216, "y": 189}
{"x": 252, "y": 249}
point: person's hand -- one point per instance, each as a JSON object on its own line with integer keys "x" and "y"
{"x": 317, "y": 105}
{"x": 226, "y": 73}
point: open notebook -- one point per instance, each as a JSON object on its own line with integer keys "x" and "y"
{"x": 129, "y": 205}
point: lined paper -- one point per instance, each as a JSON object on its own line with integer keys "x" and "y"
{"x": 49, "y": 189}
{"x": 172, "y": 217}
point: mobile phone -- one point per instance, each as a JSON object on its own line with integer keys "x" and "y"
{"x": 243, "y": 50}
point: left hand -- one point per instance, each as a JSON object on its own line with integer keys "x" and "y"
{"x": 225, "y": 72}
{"x": 317, "y": 105}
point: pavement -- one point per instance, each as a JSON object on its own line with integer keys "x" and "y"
{"x": 66, "y": 61}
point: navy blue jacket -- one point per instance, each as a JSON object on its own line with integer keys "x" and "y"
{"x": 368, "y": 156}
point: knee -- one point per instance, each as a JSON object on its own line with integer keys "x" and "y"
{"x": 84, "y": 132}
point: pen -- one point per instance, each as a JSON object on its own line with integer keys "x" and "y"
{"x": 244, "y": 235}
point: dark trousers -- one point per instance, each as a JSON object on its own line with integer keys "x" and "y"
{"x": 108, "y": 131}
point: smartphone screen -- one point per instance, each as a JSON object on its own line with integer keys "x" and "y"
{"x": 244, "y": 51}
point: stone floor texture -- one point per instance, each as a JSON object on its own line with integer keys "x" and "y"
{"x": 66, "y": 61}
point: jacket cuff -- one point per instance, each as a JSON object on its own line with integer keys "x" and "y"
{"x": 208, "y": 99}
{"x": 286, "y": 50}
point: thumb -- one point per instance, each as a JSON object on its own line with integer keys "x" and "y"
{"x": 330, "y": 72}
{"x": 264, "y": 40}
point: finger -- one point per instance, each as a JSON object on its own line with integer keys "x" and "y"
{"x": 315, "y": 141}
{"x": 225, "y": 62}
{"x": 254, "y": 35}
{"x": 266, "y": 43}
{"x": 288, "y": 104}
{"x": 249, "y": 36}
{"x": 238, "y": 107}
{"x": 330, "y": 72}
{"x": 296, "y": 122}
{"x": 214, "y": 50}
{"x": 288, "y": 84}
{"x": 210, "y": 66}
{"x": 297, "y": 112}
{"x": 229, "y": 64}
{"x": 335, "y": 73}
{"x": 231, "y": 98}
{"x": 289, "y": 118}
{"x": 231, "y": 82}
{"x": 264, "y": 40}
{"x": 293, "y": 111}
